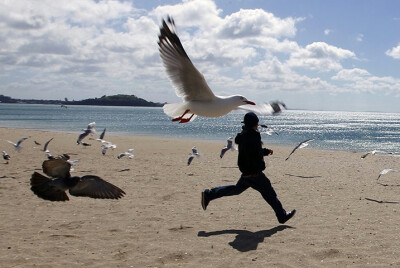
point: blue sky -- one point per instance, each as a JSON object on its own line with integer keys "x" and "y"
{"x": 319, "y": 55}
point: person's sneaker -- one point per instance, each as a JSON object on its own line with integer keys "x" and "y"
{"x": 204, "y": 199}
{"x": 288, "y": 216}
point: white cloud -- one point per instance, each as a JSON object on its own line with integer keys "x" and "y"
{"x": 320, "y": 56}
{"x": 351, "y": 74}
{"x": 360, "y": 37}
{"x": 327, "y": 31}
{"x": 394, "y": 52}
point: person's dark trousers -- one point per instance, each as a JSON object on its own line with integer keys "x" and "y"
{"x": 260, "y": 183}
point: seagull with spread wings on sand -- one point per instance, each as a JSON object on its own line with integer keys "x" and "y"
{"x": 54, "y": 188}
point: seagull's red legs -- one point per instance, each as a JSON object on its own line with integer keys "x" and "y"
{"x": 185, "y": 120}
{"x": 180, "y": 118}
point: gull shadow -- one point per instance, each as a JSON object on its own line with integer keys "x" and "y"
{"x": 303, "y": 177}
{"x": 246, "y": 240}
{"x": 382, "y": 202}
{"x": 123, "y": 170}
{"x": 385, "y": 184}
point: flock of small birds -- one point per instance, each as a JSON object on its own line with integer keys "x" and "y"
{"x": 58, "y": 168}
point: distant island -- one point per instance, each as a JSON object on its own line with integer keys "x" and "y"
{"x": 114, "y": 100}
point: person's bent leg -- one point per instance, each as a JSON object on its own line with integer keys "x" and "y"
{"x": 218, "y": 192}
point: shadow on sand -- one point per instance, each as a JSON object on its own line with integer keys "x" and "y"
{"x": 246, "y": 240}
{"x": 303, "y": 177}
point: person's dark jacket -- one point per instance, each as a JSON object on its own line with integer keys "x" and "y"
{"x": 251, "y": 153}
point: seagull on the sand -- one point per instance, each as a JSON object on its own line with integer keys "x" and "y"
{"x": 192, "y": 155}
{"x": 17, "y": 145}
{"x": 107, "y": 145}
{"x": 89, "y": 130}
{"x": 189, "y": 83}
{"x": 45, "y": 146}
{"x": 373, "y": 153}
{"x": 229, "y": 146}
{"x": 54, "y": 188}
{"x": 269, "y": 130}
{"x": 6, "y": 157}
{"x": 128, "y": 153}
{"x": 299, "y": 146}
{"x": 385, "y": 171}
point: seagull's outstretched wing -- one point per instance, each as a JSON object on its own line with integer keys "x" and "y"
{"x": 102, "y": 134}
{"x": 300, "y": 145}
{"x": 95, "y": 187}
{"x": 46, "y": 144}
{"x": 21, "y": 140}
{"x": 385, "y": 171}
{"x": 264, "y": 108}
{"x": 188, "y": 82}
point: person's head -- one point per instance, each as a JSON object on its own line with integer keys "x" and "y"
{"x": 250, "y": 120}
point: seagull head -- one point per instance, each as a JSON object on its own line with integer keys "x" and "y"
{"x": 240, "y": 100}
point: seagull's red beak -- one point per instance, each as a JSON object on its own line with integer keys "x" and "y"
{"x": 250, "y": 102}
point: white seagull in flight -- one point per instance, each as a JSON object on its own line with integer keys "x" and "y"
{"x": 189, "y": 83}
{"x": 229, "y": 146}
{"x": 17, "y": 145}
{"x": 299, "y": 146}
{"x": 385, "y": 171}
{"x": 192, "y": 155}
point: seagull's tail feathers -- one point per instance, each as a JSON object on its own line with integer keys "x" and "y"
{"x": 174, "y": 109}
{"x": 178, "y": 110}
{"x": 40, "y": 186}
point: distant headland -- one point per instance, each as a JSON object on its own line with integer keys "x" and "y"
{"x": 114, "y": 100}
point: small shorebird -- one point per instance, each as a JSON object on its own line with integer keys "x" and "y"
{"x": 189, "y": 83}
{"x": 107, "y": 145}
{"x": 385, "y": 171}
{"x": 192, "y": 155}
{"x": 6, "y": 157}
{"x": 54, "y": 188}
{"x": 269, "y": 131}
{"x": 373, "y": 153}
{"x": 299, "y": 146}
{"x": 128, "y": 153}
{"x": 229, "y": 146}
{"x": 89, "y": 130}
{"x": 17, "y": 145}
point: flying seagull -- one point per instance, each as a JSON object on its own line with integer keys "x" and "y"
{"x": 269, "y": 131}
{"x": 47, "y": 144}
{"x": 299, "y": 146}
{"x": 6, "y": 157}
{"x": 189, "y": 83}
{"x": 128, "y": 153}
{"x": 229, "y": 146}
{"x": 385, "y": 171}
{"x": 17, "y": 145}
{"x": 192, "y": 155}
{"x": 89, "y": 130}
{"x": 271, "y": 108}
{"x": 54, "y": 188}
{"x": 373, "y": 153}
{"x": 101, "y": 138}
{"x": 107, "y": 145}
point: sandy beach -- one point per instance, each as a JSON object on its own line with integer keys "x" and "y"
{"x": 345, "y": 217}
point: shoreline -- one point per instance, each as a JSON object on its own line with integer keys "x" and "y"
{"x": 345, "y": 216}
{"x": 194, "y": 139}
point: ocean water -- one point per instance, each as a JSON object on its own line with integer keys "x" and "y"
{"x": 346, "y": 131}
